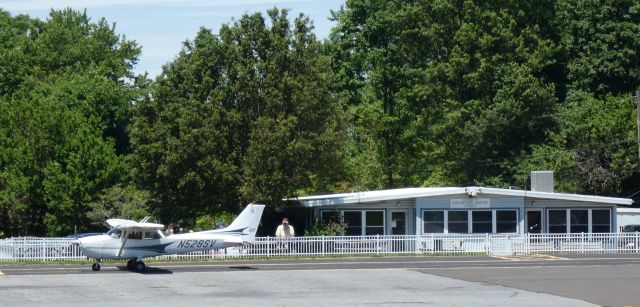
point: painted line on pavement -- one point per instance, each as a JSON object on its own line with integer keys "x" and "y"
{"x": 534, "y": 257}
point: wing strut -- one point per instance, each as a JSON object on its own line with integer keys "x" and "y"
{"x": 124, "y": 240}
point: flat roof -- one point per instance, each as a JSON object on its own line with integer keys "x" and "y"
{"x": 629, "y": 210}
{"x": 408, "y": 193}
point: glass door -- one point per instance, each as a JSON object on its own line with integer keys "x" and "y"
{"x": 534, "y": 221}
{"x": 398, "y": 222}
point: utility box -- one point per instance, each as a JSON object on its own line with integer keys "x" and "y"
{"x": 542, "y": 181}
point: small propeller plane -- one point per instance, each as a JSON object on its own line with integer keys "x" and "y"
{"x": 133, "y": 240}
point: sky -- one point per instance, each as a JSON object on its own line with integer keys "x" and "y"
{"x": 160, "y": 26}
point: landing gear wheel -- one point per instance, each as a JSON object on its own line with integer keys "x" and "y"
{"x": 140, "y": 266}
{"x": 96, "y": 267}
{"x": 131, "y": 265}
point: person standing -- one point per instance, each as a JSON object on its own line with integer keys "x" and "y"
{"x": 285, "y": 230}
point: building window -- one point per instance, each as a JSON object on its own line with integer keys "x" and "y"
{"x": 353, "y": 220}
{"x": 579, "y": 220}
{"x": 330, "y": 216}
{"x": 557, "y": 221}
{"x": 374, "y": 223}
{"x": 600, "y": 220}
{"x": 481, "y": 221}
{"x": 458, "y": 222}
{"x": 358, "y": 222}
{"x": 506, "y": 221}
{"x": 433, "y": 221}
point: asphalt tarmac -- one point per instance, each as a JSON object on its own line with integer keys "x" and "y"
{"x": 537, "y": 280}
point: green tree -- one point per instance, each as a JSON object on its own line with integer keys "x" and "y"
{"x": 65, "y": 91}
{"x": 240, "y": 116}
{"x": 444, "y": 92}
{"x": 594, "y": 149}
{"x": 601, "y": 39}
{"x": 119, "y": 201}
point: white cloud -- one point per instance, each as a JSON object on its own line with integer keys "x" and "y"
{"x": 29, "y": 5}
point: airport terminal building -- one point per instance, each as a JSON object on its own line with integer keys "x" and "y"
{"x": 467, "y": 210}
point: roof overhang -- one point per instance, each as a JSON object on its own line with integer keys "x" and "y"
{"x": 411, "y": 193}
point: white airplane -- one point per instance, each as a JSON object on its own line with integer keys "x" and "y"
{"x": 136, "y": 240}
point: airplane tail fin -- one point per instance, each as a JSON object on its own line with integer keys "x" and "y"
{"x": 246, "y": 224}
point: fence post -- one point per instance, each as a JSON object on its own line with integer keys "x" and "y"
{"x": 582, "y": 242}
{"x": 268, "y": 247}
{"x": 40, "y": 243}
{"x": 487, "y": 243}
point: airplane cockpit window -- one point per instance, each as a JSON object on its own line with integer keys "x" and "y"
{"x": 115, "y": 233}
{"x": 151, "y": 235}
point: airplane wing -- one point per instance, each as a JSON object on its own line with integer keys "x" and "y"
{"x": 129, "y": 224}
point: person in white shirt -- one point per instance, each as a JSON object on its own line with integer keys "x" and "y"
{"x": 285, "y": 230}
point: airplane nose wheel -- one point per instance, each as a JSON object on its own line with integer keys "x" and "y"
{"x": 96, "y": 267}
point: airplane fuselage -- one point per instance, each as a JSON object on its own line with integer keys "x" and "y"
{"x": 108, "y": 247}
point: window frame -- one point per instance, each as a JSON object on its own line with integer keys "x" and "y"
{"x": 496, "y": 221}
{"x": 568, "y": 222}
{"x": 363, "y": 219}
{"x": 444, "y": 221}
{"x": 470, "y": 221}
{"x": 491, "y": 221}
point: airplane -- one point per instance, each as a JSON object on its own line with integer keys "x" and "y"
{"x": 133, "y": 240}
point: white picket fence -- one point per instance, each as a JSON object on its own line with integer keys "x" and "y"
{"x": 62, "y": 249}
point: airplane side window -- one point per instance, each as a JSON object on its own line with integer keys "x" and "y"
{"x": 151, "y": 236}
{"x": 135, "y": 235}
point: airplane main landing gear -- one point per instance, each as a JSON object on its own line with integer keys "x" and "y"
{"x": 140, "y": 266}
{"x": 96, "y": 266}
{"x": 136, "y": 265}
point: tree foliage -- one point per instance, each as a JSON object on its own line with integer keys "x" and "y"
{"x": 240, "y": 116}
{"x": 119, "y": 201}
{"x": 467, "y": 92}
{"x": 63, "y": 107}
{"x": 594, "y": 149}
